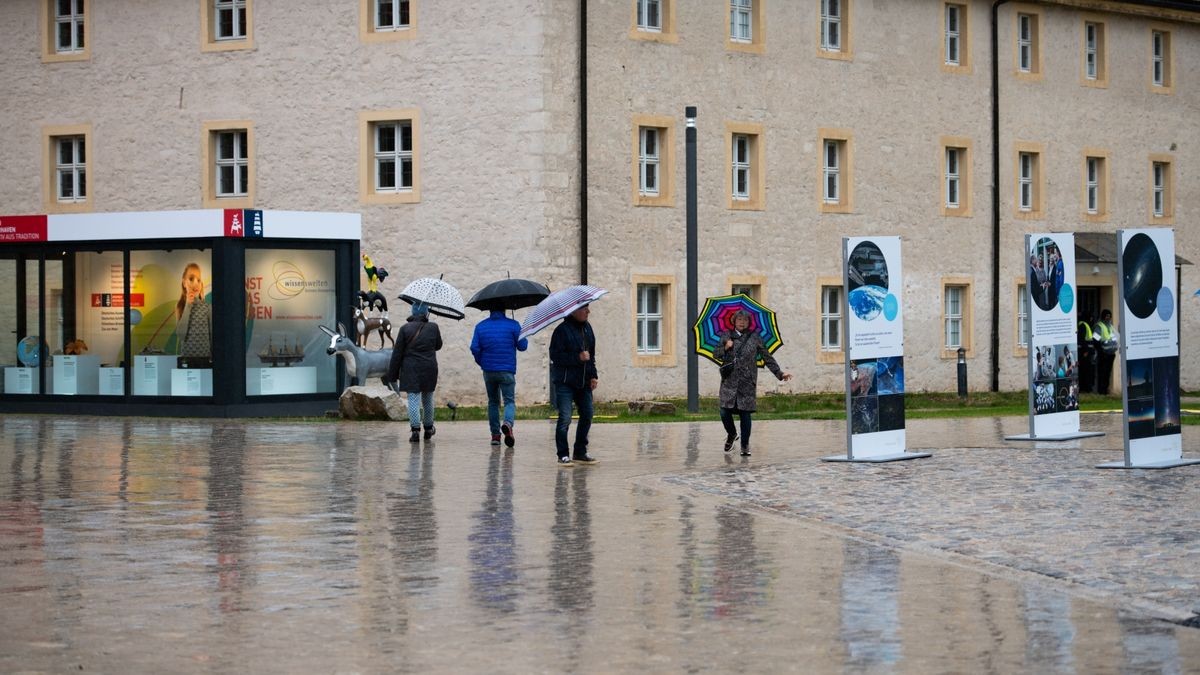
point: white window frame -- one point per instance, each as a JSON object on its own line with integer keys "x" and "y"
{"x": 1159, "y": 191}
{"x": 831, "y": 25}
{"x": 741, "y": 21}
{"x": 75, "y": 20}
{"x": 75, "y": 167}
{"x": 649, "y": 161}
{"x": 953, "y": 307}
{"x": 646, "y": 10}
{"x": 238, "y": 162}
{"x": 236, "y": 9}
{"x": 1158, "y": 58}
{"x": 1094, "y": 167}
{"x": 831, "y": 318}
{"x": 1025, "y": 43}
{"x": 752, "y": 291}
{"x": 646, "y": 319}
{"x": 831, "y": 184}
{"x": 398, "y": 156}
{"x": 396, "y": 7}
{"x": 1022, "y": 316}
{"x": 1091, "y": 63}
{"x": 1027, "y": 169}
{"x": 953, "y": 177}
{"x": 953, "y": 26}
{"x": 742, "y": 168}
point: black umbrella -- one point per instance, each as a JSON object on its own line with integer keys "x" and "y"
{"x": 509, "y": 294}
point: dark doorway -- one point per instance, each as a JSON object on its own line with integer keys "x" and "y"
{"x": 1089, "y": 304}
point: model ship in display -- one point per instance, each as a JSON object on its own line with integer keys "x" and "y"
{"x": 282, "y": 356}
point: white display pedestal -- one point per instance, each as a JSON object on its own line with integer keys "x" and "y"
{"x": 152, "y": 374}
{"x": 288, "y": 380}
{"x": 20, "y": 380}
{"x": 76, "y": 374}
{"x": 112, "y": 381}
{"x": 191, "y": 382}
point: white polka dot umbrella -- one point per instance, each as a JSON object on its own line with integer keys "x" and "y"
{"x": 442, "y": 298}
{"x": 557, "y": 305}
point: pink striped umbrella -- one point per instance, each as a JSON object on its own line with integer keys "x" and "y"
{"x": 558, "y": 305}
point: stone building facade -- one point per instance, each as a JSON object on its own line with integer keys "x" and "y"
{"x": 516, "y": 148}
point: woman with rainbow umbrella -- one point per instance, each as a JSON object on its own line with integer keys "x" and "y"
{"x": 739, "y": 334}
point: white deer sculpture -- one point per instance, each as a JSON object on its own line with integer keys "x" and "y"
{"x": 361, "y": 364}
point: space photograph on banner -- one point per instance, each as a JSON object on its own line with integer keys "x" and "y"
{"x": 1053, "y": 351}
{"x": 1149, "y": 337}
{"x": 874, "y": 340}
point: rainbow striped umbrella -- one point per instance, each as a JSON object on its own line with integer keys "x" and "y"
{"x": 717, "y": 317}
{"x": 557, "y": 305}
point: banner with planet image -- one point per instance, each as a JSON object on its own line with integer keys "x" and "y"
{"x": 1149, "y": 338}
{"x": 1053, "y": 354}
{"x": 874, "y": 279}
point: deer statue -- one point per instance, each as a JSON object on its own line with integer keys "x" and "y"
{"x": 365, "y": 325}
{"x": 361, "y": 364}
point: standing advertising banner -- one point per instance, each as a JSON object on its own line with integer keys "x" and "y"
{"x": 1051, "y": 339}
{"x": 873, "y": 285}
{"x": 1149, "y": 338}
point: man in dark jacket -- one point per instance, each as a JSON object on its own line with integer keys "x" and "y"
{"x": 573, "y": 375}
{"x": 494, "y": 346}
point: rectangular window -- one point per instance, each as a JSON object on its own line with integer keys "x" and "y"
{"x": 741, "y": 21}
{"x": 741, "y": 167}
{"x": 831, "y": 318}
{"x": 832, "y": 193}
{"x": 1160, "y": 59}
{"x": 953, "y": 176}
{"x": 1095, "y": 169}
{"x": 393, "y": 157}
{"x": 1025, "y": 38}
{"x": 649, "y": 318}
{"x": 1022, "y": 316}
{"x": 831, "y": 25}
{"x": 1028, "y": 166}
{"x": 953, "y": 312}
{"x": 71, "y": 169}
{"x": 232, "y": 163}
{"x": 649, "y": 15}
{"x": 953, "y": 45}
{"x": 389, "y": 157}
{"x": 1091, "y": 42}
{"x": 648, "y": 161}
{"x": 1159, "y": 188}
{"x": 753, "y": 291}
{"x": 69, "y": 26}
{"x": 392, "y": 14}
{"x": 229, "y": 18}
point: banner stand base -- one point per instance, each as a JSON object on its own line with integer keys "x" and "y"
{"x": 1054, "y": 437}
{"x": 1166, "y": 464}
{"x": 879, "y": 458}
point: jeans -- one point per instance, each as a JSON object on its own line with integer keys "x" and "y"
{"x": 727, "y": 420}
{"x": 420, "y": 402}
{"x": 500, "y": 385}
{"x": 581, "y": 397}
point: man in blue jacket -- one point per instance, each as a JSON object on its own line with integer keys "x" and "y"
{"x": 495, "y": 346}
{"x": 573, "y": 376}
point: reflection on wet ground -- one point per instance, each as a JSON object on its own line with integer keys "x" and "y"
{"x": 244, "y": 546}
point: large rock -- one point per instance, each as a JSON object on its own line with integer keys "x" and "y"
{"x": 372, "y": 402}
{"x": 652, "y": 407}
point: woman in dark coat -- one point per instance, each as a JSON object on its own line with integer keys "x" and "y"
{"x": 414, "y": 368}
{"x": 739, "y": 390}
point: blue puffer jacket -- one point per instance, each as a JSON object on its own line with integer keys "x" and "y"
{"x": 495, "y": 344}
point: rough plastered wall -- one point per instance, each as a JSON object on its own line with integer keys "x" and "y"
{"x": 493, "y": 83}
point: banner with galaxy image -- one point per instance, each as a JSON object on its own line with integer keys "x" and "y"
{"x": 1149, "y": 338}
{"x": 1053, "y": 352}
{"x": 874, "y": 284}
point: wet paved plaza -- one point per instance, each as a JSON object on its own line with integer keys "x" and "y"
{"x": 134, "y": 545}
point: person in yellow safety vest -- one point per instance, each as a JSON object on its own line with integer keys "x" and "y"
{"x": 1087, "y": 355}
{"x": 1105, "y": 339}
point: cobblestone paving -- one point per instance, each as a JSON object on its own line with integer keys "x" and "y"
{"x": 1040, "y": 508}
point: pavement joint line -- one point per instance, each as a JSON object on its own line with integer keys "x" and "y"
{"x": 1110, "y": 599}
